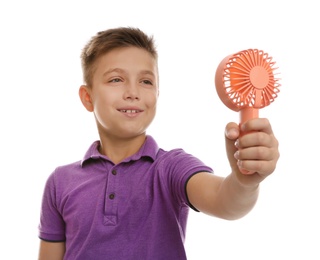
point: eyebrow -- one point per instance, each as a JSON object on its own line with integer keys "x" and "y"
{"x": 113, "y": 70}
{"x": 143, "y": 72}
{"x": 147, "y": 72}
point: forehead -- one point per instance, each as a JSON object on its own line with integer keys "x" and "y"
{"x": 127, "y": 59}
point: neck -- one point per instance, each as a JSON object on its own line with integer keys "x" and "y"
{"x": 117, "y": 149}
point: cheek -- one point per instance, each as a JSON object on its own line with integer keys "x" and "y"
{"x": 104, "y": 99}
{"x": 102, "y": 106}
{"x": 152, "y": 100}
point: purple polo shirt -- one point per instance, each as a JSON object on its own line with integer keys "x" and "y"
{"x": 136, "y": 209}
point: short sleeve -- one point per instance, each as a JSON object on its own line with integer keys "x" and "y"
{"x": 181, "y": 166}
{"x": 51, "y": 226}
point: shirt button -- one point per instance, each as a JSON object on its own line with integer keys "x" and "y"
{"x": 111, "y": 196}
{"x": 114, "y": 172}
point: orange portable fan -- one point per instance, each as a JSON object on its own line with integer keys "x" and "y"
{"x": 245, "y": 82}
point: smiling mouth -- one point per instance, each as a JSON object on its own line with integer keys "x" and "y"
{"x": 130, "y": 111}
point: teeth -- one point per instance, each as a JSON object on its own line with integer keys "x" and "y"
{"x": 129, "y": 111}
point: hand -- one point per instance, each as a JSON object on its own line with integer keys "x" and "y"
{"x": 256, "y": 151}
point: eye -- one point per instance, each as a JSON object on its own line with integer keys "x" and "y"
{"x": 146, "y": 81}
{"x": 115, "y": 80}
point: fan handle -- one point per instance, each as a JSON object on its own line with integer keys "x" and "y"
{"x": 245, "y": 115}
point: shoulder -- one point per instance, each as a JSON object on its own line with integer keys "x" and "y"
{"x": 67, "y": 169}
{"x": 177, "y": 154}
{"x": 64, "y": 173}
{"x": 76, "y": 167}
{"x": 162, "y": 153}
{"x": 179, "y": 159}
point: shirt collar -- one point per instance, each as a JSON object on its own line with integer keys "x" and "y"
{"x": 148, "y": 149}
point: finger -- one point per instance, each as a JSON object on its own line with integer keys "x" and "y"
{"x": 263, "y": 168}
{"x": 256, "y": 153}
{"x": 232, "y": 131}
{"x": 256, "y": 139}
{"x": 257, "y": 124}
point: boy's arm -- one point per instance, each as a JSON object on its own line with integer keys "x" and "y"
{"x": 234, "y": 196}
{"x": 51, "y": 250}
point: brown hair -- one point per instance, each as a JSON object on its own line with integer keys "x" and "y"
{"x": 108, "y": 40}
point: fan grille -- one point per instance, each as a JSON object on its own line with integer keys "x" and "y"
{"x": 249, "y": 79}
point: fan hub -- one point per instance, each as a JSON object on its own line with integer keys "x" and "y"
{"x": 259, "y": 77}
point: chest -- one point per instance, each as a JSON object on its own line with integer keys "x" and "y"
{"x": 112, "y": 194}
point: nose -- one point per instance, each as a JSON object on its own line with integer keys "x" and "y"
{"x": 131, "y": 92}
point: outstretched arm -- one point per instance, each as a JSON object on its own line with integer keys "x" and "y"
{"x": 234, "y": 196}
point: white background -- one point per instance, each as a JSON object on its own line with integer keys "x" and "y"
{"x": 43, "y": 123}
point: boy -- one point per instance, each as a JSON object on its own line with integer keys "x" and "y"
{"x": 128, "y": 199}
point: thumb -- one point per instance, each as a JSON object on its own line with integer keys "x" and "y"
{"x": 231, "y": 135}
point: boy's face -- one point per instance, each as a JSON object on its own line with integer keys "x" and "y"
{"x": 124, "y": 92}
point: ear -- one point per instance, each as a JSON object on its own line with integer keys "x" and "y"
{"x": 85, "y": 97}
